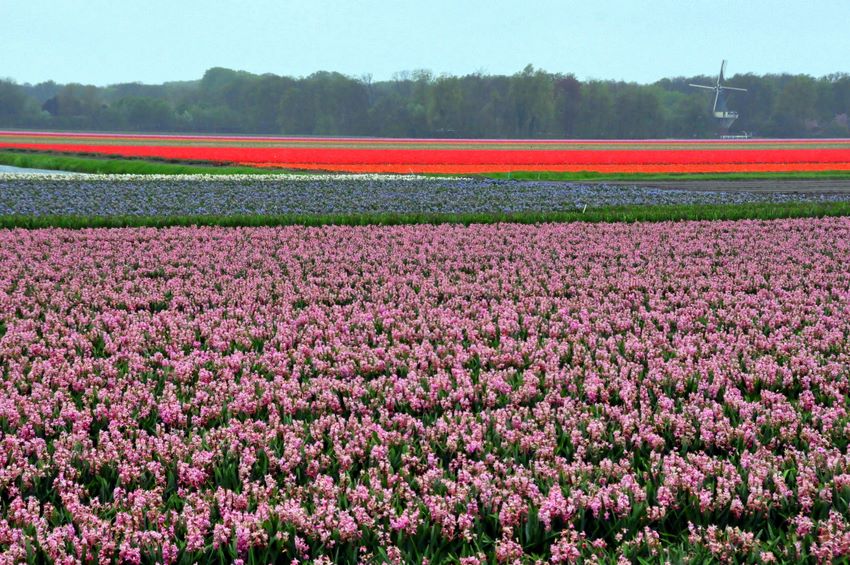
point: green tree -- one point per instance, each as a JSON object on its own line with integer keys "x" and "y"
{"x": 530, "y": 103}
{"x": 531, "y": 97}
{"x": 13, "y": 103}
{"x": 146, "y": 114}
{"x": 595, "y": 117}
{"x": 794, "y": 110}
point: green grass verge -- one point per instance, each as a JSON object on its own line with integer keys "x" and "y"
{"x": 612, "y": 214}
{"x": 589, "y": 176}
{"x": 57, "y": 162}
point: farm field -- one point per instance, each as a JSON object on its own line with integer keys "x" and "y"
{"x": 443, "y": 393}
{"x": 458, "y": 156}
{"x": 500, "y": 363}
{"x": 358, "y": 195}
{"x": 423, "y": 283}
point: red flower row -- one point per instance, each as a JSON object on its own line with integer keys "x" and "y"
{"x": 459, "y": 160}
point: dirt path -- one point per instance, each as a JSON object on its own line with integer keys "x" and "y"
{"x": 22, "y": 171}
{"x": 814, "y": 186}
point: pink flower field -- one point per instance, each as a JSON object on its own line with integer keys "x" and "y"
{"x": 427, "y": 394}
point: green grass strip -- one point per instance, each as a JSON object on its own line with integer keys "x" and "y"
{"x": 57, "y": 162}
{"x": 762, "y": 211}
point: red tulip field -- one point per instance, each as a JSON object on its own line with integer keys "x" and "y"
{"x": 457, "y": 156}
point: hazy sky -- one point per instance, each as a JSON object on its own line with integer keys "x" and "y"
{"x": 109, "y": 41}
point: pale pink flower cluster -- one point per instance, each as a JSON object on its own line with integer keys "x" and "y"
{"x": 563, "y": 391}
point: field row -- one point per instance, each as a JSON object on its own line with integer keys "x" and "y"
{"x": 529, "y": 392}
{"x": 418, "y": 143}
{"x": 408, "y": 157}
{"x": 302, "y": 195}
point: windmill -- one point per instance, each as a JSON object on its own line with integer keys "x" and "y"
{"x": 721, "y": 112}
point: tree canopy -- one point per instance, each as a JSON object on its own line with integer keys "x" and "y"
{"x": 529, "y": 104}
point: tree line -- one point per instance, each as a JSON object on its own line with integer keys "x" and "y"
{"x": 529, "y": 104}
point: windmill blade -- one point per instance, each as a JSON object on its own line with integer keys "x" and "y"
{"x": 722, "y": 114}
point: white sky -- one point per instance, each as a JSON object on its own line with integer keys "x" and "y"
{"x": 109, "y": 41}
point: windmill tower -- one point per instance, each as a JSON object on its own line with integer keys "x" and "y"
{"x": 724, "y": 116}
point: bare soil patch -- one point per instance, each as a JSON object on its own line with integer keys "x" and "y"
{"x": 807, "y": 186}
